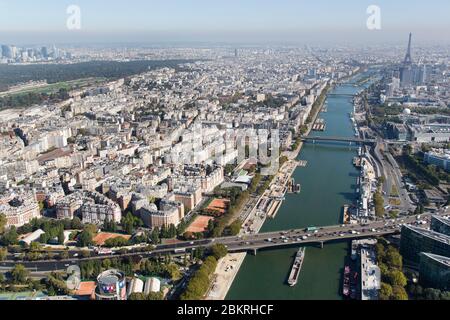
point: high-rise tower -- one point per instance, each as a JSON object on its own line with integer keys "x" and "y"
{"x": 408, "y": 59}
{"x": 407, "y": 70}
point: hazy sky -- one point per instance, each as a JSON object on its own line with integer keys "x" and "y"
{"x": 223, "y": 20}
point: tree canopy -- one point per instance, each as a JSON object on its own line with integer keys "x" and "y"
{"x": 19, "y": 274}
{"x": 130, "y": 223}
{"x": 3, "y": 222}
{"x": 385, "y": 292}
{"x": 394, "y": 280}
{"x": 199, "y": 283}
{"x": 219, "y": 251}
{"x": 399, "y": 293}
{"x": 85, "y": 238}
{"x": 10, "y": 237}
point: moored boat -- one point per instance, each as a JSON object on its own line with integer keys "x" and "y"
{"x": 296, "y": 267}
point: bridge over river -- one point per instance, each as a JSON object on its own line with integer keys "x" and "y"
{"x": 330, "y": 95}
{"x": 338, "y": 139}
{"x": 251, "y": 243}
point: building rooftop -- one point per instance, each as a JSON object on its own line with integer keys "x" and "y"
{"x": 370, "y": 275}
{"x": 431, "y": 128}
{"x": 430, "y": 234}
{"x": 440, "y": 259}
{"x": 445, "y": 221}
{"x": 86, "y": 288}
{"x": 443, "y": 154}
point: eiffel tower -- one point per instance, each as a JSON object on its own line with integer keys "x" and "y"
{"x": 407, "y": 69}
{"x": 408, "y": 59}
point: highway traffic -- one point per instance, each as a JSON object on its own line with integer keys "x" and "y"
{"x": 249, "y": 242}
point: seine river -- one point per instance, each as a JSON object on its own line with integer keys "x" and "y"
{"x": 328, "y": 183}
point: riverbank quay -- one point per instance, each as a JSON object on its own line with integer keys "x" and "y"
{"x": 229, "y": 266}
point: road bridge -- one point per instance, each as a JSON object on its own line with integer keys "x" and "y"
{"x": 338, "y": 139}
{"x": 250, "y": 242}
{"x": 341, "y": 95}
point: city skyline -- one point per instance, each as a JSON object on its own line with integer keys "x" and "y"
{"x": 205, "y": 21}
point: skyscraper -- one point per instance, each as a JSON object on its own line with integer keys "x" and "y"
{"x": 55, "y": 53}
{"x": 13, "y": 52}
{"x": 30, "y": 53}
{"x": 6, "y": 51}
{"x": 422, "y": 75}
{"x": 44, "y": 52}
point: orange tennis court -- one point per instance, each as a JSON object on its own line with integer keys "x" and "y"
{"x": 101, "y": 238}
{"x": 200, "y": 224}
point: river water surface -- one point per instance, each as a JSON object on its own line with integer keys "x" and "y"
{"x": 328, "y": 183}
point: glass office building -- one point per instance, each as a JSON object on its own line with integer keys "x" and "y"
{"x": 415, "y": 240}
{"x": 434, "y": 271}
{"x": 441, "y": 225}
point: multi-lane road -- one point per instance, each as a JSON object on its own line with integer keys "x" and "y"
{"x": 391, "y": 171}
{"x": 251, "y": 242}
